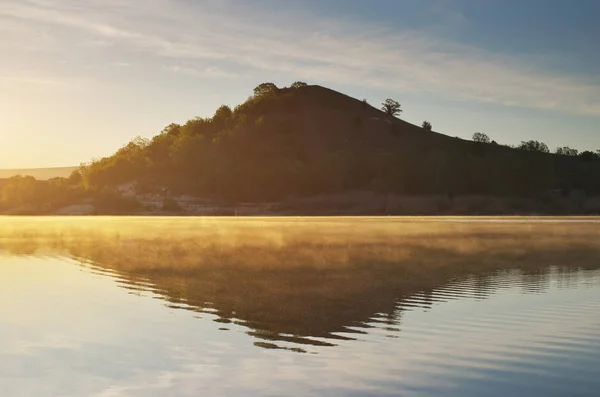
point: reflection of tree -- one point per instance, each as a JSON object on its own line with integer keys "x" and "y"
{"x": 294, "y": 281}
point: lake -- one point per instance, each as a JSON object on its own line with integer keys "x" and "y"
{"x": 387, "y": 306}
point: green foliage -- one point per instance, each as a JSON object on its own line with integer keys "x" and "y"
{"x": 589, "y": 156}
{"x": 127, "y": 164}
{"x": 223, "y": 114}
{"x": 298, "y": 84}
{"x": 534, "y": 146}
{"x": 566, "y": 151}
{"x": 75, "y": 178}
{"x": 171, "y": 129}
{"x": 265, "y": 89}
{"x": 40, "y": 196}
{"x": 20, "y": 190}
{"x": 481, "y": 137}
{"x": 426, "y": 125}
{"x": 391, "y": 107}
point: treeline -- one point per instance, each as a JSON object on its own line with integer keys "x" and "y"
{"x": 536, "y": 146}
{"x": 29, "y": 196}
{"x": 306, "y": 140}
{"x": 40, "y": 196}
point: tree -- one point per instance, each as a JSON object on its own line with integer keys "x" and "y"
{"x": 589, "y": 155}
{"x": 534, "y": 146}
{"x": 265, "y": 89}
{"x": 19, "y": 190}
{"x": 298, "y": 84}
{"x": 566, "y": 151}
{"x": 171, "y": 129}
{"x": 426, "y": 125}
{"x": 75, "y": 178}
{"x": 481, "y": 137}
{"x": 223, "y": 113}
{"x": 391, "y": 107}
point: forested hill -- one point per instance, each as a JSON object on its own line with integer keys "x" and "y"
{"x": 306, "y": 140}
{"x": 300, "y": 141}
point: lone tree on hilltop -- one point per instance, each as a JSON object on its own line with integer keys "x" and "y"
{"x": 426, "y": 125}
{"x": 481, "y": 137}
{"x": 391, "y": 107}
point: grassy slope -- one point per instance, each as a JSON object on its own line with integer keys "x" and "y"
{"x": 381, "y": 131}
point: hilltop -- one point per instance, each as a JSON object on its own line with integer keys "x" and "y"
{"x": 310, "y": 149}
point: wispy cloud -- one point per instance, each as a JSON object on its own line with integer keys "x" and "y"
{"x": 202, "y": 72}
{"x": 231, "y": 36}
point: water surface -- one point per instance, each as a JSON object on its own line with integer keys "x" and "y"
{"x": 326, "y": 306}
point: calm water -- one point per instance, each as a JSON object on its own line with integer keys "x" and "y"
{"x": 272, "y": 307}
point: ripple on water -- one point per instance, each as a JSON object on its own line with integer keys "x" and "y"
{"x": 74, "y": 326}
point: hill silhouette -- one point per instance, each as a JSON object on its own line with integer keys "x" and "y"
{"x": 39, "y": 173}
{"x": 304, "y": 141}
{"x": 313, "y": 140}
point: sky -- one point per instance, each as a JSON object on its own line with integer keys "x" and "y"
{"x": 79, "y": 79}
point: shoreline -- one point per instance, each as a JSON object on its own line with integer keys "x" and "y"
{"x": 356, "y": 204}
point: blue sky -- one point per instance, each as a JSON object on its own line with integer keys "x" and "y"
{"x": 79, "y": 79}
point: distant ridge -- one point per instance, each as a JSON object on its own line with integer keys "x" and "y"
{"x": 39, "y": 173}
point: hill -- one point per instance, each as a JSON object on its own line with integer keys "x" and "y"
{"x": 310, "y": 140}
{"x": 305, "y": 144}
{"x": 39, "y": 173}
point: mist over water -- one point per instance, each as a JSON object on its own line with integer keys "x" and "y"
{"x": 325, "y": 306}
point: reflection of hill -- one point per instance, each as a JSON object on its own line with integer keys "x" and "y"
{"x": 294, "y": 280}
